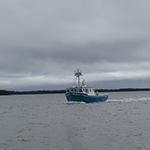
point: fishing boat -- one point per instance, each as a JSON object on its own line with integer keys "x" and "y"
{"x": 83, "y": 93}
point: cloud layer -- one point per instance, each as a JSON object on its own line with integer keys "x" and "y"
{"x": 43, "y": 42}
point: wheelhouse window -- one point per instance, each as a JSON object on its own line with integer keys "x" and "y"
{"x": 80, "y": 90}
{"x": 86, "y": 90}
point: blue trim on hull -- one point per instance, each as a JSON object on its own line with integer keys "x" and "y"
{"x": 83, "y": 97}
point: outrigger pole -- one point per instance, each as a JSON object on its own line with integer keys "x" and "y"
{"x": 78, "y": 73}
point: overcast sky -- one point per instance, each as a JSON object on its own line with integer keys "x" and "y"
{"x": 42, "y": 42}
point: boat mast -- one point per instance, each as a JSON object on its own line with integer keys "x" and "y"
{"x": 78, "y": 73}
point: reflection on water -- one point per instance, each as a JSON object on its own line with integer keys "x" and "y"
{"x": 35, "y": 122}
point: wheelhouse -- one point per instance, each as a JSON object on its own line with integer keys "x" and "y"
{"x": 87, "y": 90}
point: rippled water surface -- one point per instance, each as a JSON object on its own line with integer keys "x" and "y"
{"x": 49, "y": 122}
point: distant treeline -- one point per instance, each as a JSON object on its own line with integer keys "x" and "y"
{"x": 38, "y": 92}
{"x": 123, "y": 90}
{"x": 4, "y": 92}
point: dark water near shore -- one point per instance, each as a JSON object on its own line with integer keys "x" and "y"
{"x": 48, "y": 122}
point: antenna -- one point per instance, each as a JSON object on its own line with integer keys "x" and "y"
{"x": 78, "y": 73}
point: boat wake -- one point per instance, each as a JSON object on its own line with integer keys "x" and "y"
{"x": 128, "y": 99}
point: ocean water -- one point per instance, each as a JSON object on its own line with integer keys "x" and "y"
{"x": 49, "y": 122}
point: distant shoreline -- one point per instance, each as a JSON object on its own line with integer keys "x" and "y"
{"x": 4, "y": 92}
{"x": 123, "y": 90}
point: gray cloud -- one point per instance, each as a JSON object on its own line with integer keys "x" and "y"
{"x": 42, "y": 42}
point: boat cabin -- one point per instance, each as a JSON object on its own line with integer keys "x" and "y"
{"x": 87, "y": 90}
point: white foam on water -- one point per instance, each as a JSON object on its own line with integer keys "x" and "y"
{"x": 129, "y": 99}
{"x": 75, "y": 102}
